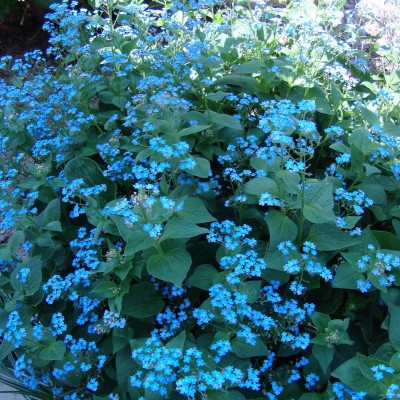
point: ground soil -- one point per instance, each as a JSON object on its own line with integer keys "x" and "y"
{"x": 21, "y": 30}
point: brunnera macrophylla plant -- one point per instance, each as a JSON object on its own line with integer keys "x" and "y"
{"x": 200, "y": 200}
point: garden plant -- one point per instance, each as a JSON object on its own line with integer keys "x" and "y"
{"x": 200, "y": 200}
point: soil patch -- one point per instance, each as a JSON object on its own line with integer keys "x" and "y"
{"x": 21, "y": 31}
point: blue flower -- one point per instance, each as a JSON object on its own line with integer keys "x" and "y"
{"x": 363, "y": 286}
{"x": 14, "y": 332}
{"x": 92, "y": 385}
{"x": 58, "y": 324}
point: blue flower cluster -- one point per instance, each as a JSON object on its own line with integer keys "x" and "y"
{"x": 230, "y": 235}
{"x": 14, "y": 331}
{"x": 378, "y": 269}
{"x": 186, "y": 369}
{"x": 279, "y": 121}
{"x": 305, "y": 261}
{"x": 245, "y": 266}
{"x": 171, "y": 320}
{"x": 85, "y": 261}
{"x": 353, "y": 202}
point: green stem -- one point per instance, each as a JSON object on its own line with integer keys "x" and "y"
{"x": 289, "y": 89}
{"x": 301, "y": 225}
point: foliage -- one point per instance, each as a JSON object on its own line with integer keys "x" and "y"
{"x": 201, "y": 201}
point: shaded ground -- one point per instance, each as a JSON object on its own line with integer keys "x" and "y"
{"x": 9, "y": 396}
{"x": 21, "y": 31}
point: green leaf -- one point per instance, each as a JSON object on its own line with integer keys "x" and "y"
{"x": 357, "y": 159}
{"x": 117, "y": 225}
{"x": 202, "y": 168}
{"x": 275, "y": 261}
{"x": 280, "y": 227}
{"x": 45, "y": 240}
{"x": 324, "y": 355}
{"x": 171, "y": 266}
{"x": 5, "y": 349}
{"x": 360, "y": 139}
{"x": 179, "y": 228}
{"x": 353, "y": 374}
{"x": 244, "y": 350}
{"x": 368, "y": 115}
{"x": 351, "y": 221}
{"x": 137, "y": 240}
{"x": 396, "y": 226}
{"x": 150, "y": 395}
{"x": 322, "y": 106}
{"x": 320, "y": 320}
{"x": 338, "y": 324}
{"x": 340, "y": 147}
{"x": 90, "y": 172}
{"x": 54, "y": 226}
{"x": 391, "y": 129}
{"x": 289, "y": 180}
{"x": 120, "y": 101}
{"x": 336, "y": 96}
{"x": 144, "y": 154}
{"x": 260, "y": 185}
{"x": 346, "y": 276}
{"x": 99, "y": 43}
{"x": 370, "y": 169}
{"x": 193, "y": 129}
{"x": 387, "y": 240}
{"x": 235, "y": 395}
{"x": 245, "y": 84}
{"x": 128, "y": 47}
{"x": 373, "y": 190}
{"x": 386, "y": 352}
{"x": 54, "y": 351}
{"x": 15, "y": 241}
{"x": 34, "y": 278}
{"x": 394, "y": 331}
{"x": 125, "y": 368}
{"x": 225, "y": 120}
{"x": 142, "y": 301}
{"x": 329, "y": 237}
{"x": 250, "y": 67}
{"x": 178, "y": 342}
{"x": 393, "y": 79}
{"x": 218, "y": 96}
{"x": 194, "y": 210}
{"x": 105, "y": 290}
{"x": 286, "y": 72}
{"x": 53, "y": 211}
{"x": 251, "y": 289}
{"x": 392, "y": 297}
{"x": 311, "y": 396}
{"x": 202, "y": 277}
{"x": 394, "y": 211}
{"x": 318, "y": 203}
{"x": 224, "y": 395}
{"x": 121, "y": 337}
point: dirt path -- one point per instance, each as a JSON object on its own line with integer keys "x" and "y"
{"x": 9, "y": 396}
